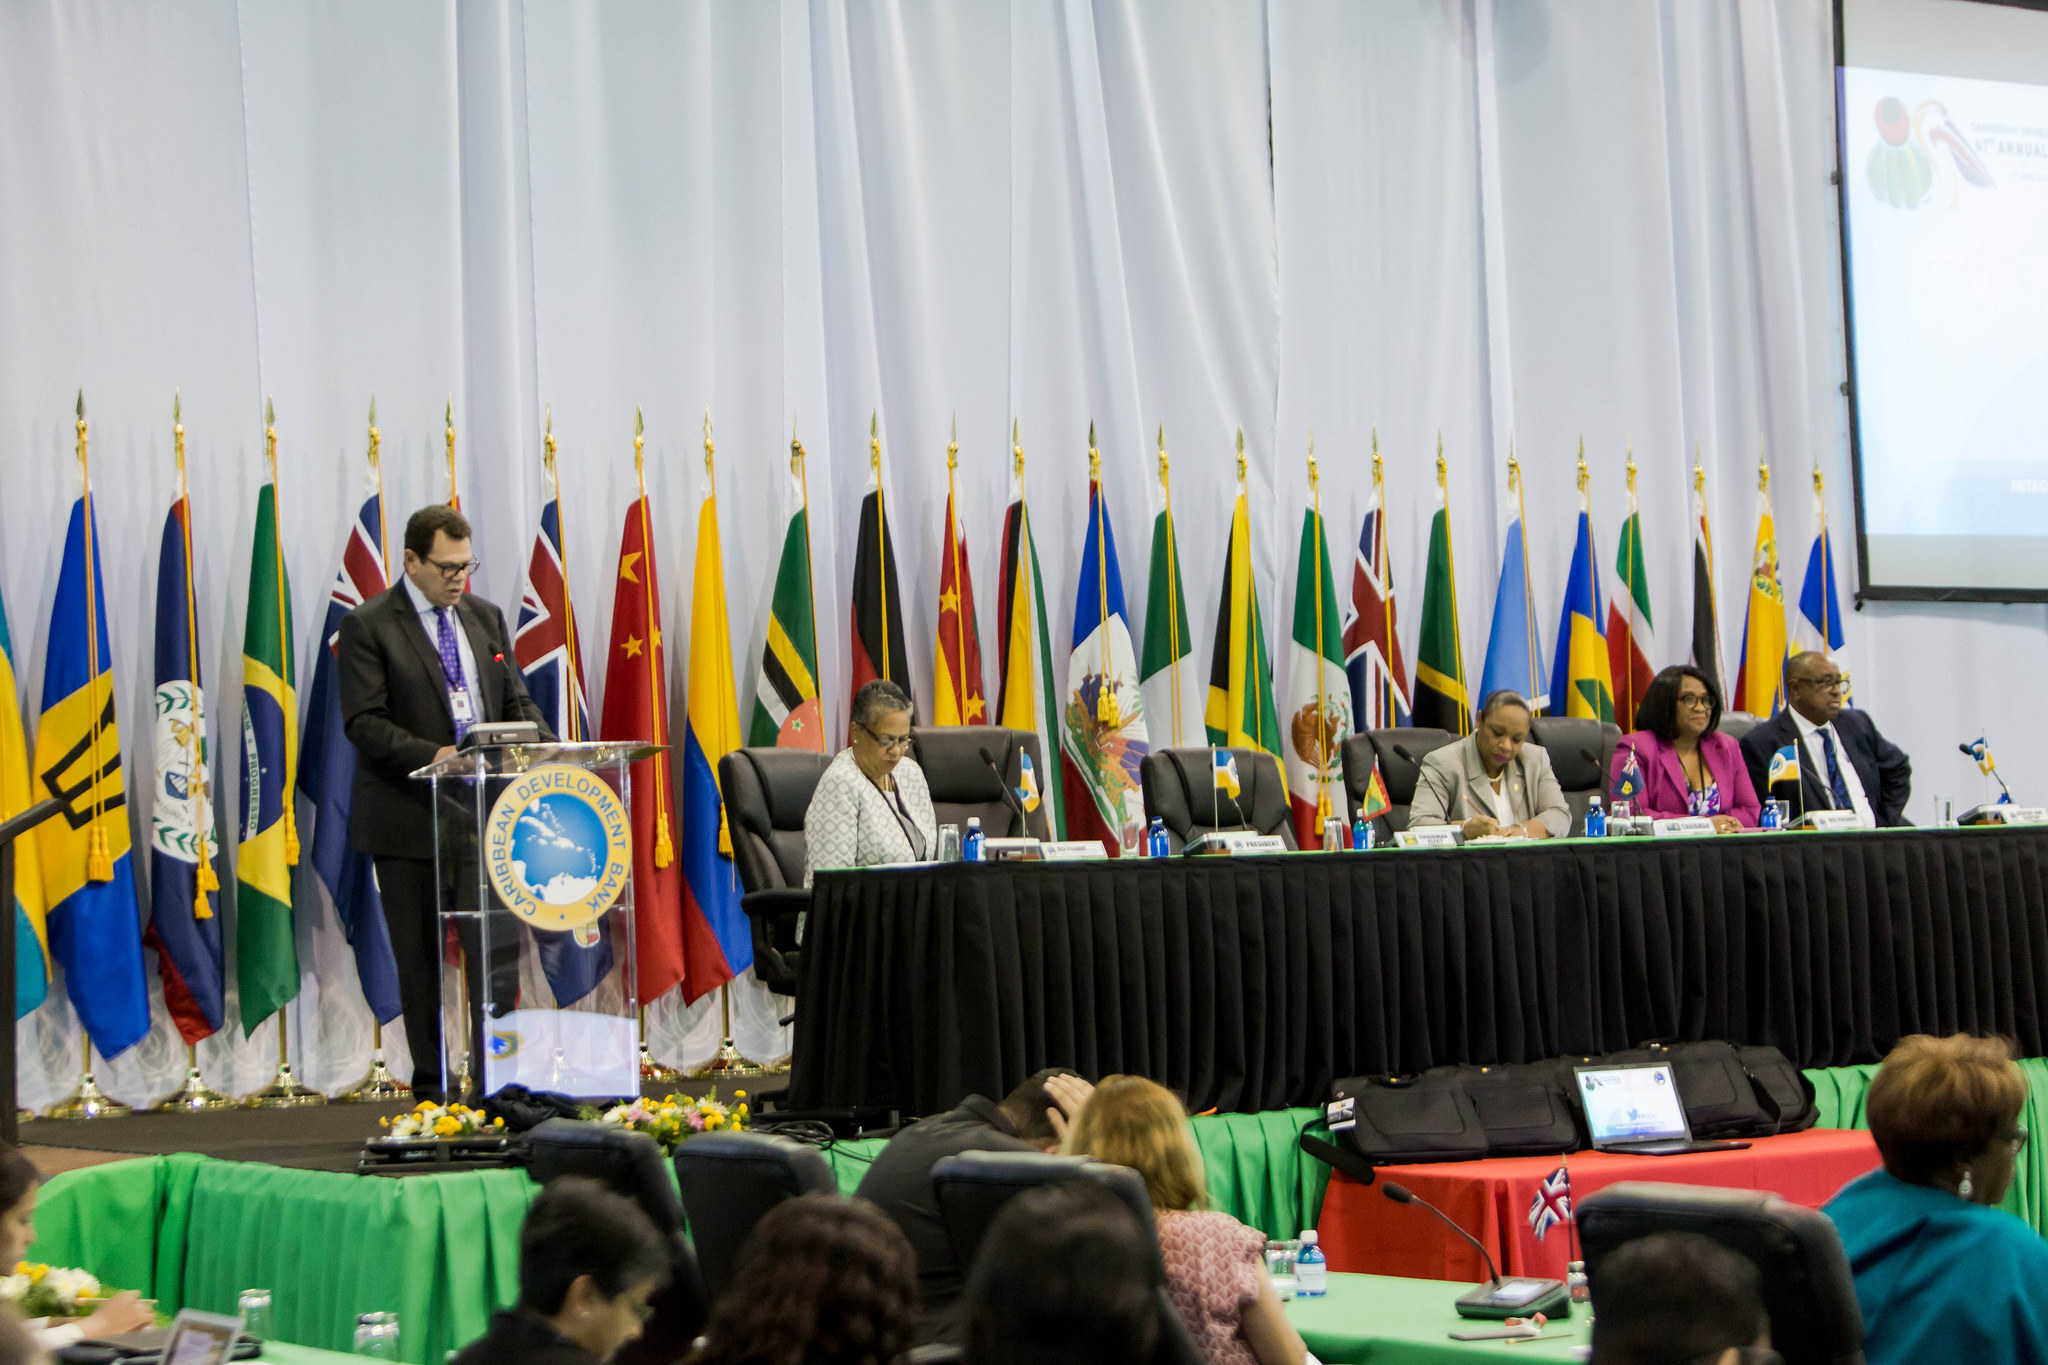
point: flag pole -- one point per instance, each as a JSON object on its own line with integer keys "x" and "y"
{"x": 664, "y": 844}
{"x": 953, "y": 554}
{"x": 1528, "y": 598}
{"x": 1172, "y": 588}
{"x": 800, "y": 463}
{"x": 1251, "y": 595}
{"x": 881, "y": 535}
{"x": 1592, "y": 575}
{"x": 1315, "y": 494}
{"x": 575, "y": 678}
{"x": 1443, "y": 483}
{"x": 1107, "y": 711}
{"x": 448, "y": 426}
{"x": 1827, "y": 561}
{"x": 1392, "y": 702}
{"x": 1634, "y": 529}
{"x": 1699, "y": 488}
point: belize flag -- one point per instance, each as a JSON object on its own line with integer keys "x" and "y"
{"x": 1102, "y": 730}
{"x": 327, "y": 772}
{"x": 717, "y": 943}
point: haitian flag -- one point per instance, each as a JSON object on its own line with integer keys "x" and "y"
{"x": 17, "y": 794}
{"x": 327, "y": 773}
{"x": 183, "y": 926}
{"x": 1103, "y": 735}
{"x": 718, "y": 943}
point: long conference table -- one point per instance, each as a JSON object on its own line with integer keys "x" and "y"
{"x": 1251, "y": 983}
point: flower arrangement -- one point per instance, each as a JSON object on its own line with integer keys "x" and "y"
{"x": 431, "y": 1120}
{"x": 42, "y": 1291}
{"x": 676, "y": 1118}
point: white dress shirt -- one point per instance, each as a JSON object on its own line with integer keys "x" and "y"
{"x": 1816, "y": 753}
{"x": 430, "y": 621}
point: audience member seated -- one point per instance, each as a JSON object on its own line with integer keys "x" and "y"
{"x": 17, "y": 1345}
{"x": 1844, "y": 763}
{"x": 1493, "y": 781}
{"x": 589, "y": 1260}
{"x": 1940, "y": 1273}
{"x": 821, "y": 1280}
{"x": 872, "y": 805}
{"x": 1688, "y": 766}
{"x": 19, "y": 1181}
{"x": 1063, "y": 1279}
{"x": 1215, "y": 1265}
{"x": 1032, "y": 1118}
{"x": 1677, "y": 1298}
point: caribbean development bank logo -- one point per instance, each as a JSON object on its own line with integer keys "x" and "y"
{"x": 558, "y": 849}
{"x": 1920, "y": 152}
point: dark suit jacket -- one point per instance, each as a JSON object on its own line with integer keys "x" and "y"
{"x": 394, "y": 709}
{"x": 1886, "y": 772}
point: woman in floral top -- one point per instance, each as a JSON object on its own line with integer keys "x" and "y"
{"x": 1215, "y": 1265}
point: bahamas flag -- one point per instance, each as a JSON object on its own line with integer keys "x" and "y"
{"x": 1241, "y": 710}
{"x": 1580, "y": 684}
{"x": 31, "y": 931}
{"x": 267, "y": 962}
{"x": 717, "y": 944}
{"x": 88, "y": 878}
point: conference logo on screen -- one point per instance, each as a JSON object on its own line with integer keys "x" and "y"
{"x": 558, "y": 849}
{"x": 1920, "y": 154}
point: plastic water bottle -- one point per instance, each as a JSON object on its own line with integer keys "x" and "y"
{"x": 1596, "y": 820}
{"x": 1155, "y": 839}
{"x": 1767, "y": 818}
{"x": 1311, "y": 1270}
{"x": 970, "y": 847}
{"x": 1361, "y": 833}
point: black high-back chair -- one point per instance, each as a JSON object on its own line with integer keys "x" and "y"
{"x": 1581, "y": 752}
{"x": 729, "y": 1182}
{"x": 1808, "y": 1289}
{"x": 1400, "y": 774}
{"x": 631, "y": 1164}
{"x": 1180, "y": 789}
{"x": 962, "y": 785}
{"x": 973, "y": 1187}
{"x": 1736, "y": 724}
{"x": 767, "y": 793}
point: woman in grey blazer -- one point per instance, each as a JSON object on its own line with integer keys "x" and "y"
{"x": 872, "y": 805}
{"x": 1494, "y": 781}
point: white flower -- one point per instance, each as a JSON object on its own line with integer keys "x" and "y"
{"x": 70, "y": 1285}
{"x": 12, "y": 1287}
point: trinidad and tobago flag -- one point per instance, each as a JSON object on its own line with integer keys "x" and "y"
{"x": 878, "y": 646}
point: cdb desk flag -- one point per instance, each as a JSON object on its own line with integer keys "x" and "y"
{"x": 17, "y": 794}
{"x": 88, "y": 877}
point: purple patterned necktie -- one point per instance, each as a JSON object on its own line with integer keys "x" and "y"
{"x": 451, "y": 661}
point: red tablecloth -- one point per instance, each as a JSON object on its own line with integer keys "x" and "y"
{"x": 1362, "y": 1230}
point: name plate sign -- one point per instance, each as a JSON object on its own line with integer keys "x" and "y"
{"x": 1682, "y": 827}
{"x": 2006, "y": 815}
{"x": 1071, "y": 850}
{"x": 1235, "y": 843}
{"x": 1430, "y": 836}
{"x": 1832, "y": 820}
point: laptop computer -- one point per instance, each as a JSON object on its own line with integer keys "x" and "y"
{"x": 1634, "y": 1108}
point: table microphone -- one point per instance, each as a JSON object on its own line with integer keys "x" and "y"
{"x": 1401, "y": 751}
{"x": 1401, "y": 1194}
{"x": 1994, "y": 772}
{"x": 1498, "y": 1298}
{"x": 1003, "y": 785}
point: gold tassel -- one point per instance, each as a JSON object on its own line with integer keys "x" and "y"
{"x": 204, "y": 882}
{"x": 724, "y": 833}
{"x": 291, "y": 834}
{"x": 664, "y": 847}
{"x": 99, "y": 866}
{"x": 1106, "y": 709}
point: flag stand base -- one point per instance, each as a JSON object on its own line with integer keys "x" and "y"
{"x": 380, "y": 1086}
{"x": 283, "y": 1092}
{"x": 195, "y": 1096}
{"x": 728, "y": 1061}
{"x": 89, "y": 1102}
{"x": 653, "y": 1072}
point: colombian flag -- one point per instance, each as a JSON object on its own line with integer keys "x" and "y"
{"x": 717, "y": 942}
{"x": 95, "y": 929}
{"x": 1580, "y": 683}
{"x": 31, "y": 922}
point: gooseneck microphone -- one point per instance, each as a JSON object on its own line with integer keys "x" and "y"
{"x": 1003, "y": 786}
{"x": 1401, "y": 1194}
{"x": 1401, "y": 752}
{"x": 1994, "y": 772}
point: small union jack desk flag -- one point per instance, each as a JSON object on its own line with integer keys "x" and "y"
{"x": 1553, "y": 1202}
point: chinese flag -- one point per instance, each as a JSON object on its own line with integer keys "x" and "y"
{"x": 636, "y": 708}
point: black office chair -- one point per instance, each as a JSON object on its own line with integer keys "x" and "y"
{"x": 1581, "y": 753}
{"x": 1180, "y": 789}
{"x": 767, "y": 792}
{"x": 1808, "y": 1290}
{"x": 631, "y": 1164}
{"x": 1398, "y": 772}
{"x": 962, "y": 785}
{"x": 729, "y": 1182}
{"x": 973, "y": 1187}
{"x": 1736, "y": 724}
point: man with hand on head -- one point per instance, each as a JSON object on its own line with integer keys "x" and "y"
{"x": 419, "y": 665}
{"x": 1844, "y": 763}
{"x": 1035, "y": 1117}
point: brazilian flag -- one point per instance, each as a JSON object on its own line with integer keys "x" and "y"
{"x": 267, "y": 967}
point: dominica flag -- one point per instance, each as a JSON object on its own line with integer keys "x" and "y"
{"x": 1631, "y": 636}
{"x": 1104, "y": 736}
{"x": 879, "y": 649}
{"x": 1319, "y": 692}
{"x": 1029, "y": 697}
{"x": 31, "y": 923}
{"x": 1441, "y": 700}
{"x": 717, "y": 944}
{"x": 786, "y": 707}
{"x": 1170, "y": 677}
{"x": 184, "y": 927}
{"x": 1372, "y": 647}
{"x": 957, "y": 695}
{"x": 1760, "y": 676}
{"x": 1241, "y": 711}
{"x": 88, "y": 877}
{"x": 1818, "y": 626}
{"x": 1580, "y": 684}
{"x": 266, "y": 959}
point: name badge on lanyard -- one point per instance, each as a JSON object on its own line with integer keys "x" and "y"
{"x": 458, "y": 704}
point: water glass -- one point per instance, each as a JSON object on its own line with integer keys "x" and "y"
{"x": 1280, "y": 1265}
{"x": 254, "y": 1306}
{"x": 1784, "y": 809}
{"x": 949, "y": 843}
{"x": 377, "y": 1336}
{"x": 1944, "y": 811}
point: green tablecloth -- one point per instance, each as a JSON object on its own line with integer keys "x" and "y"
{"x": 1389, "y": 1321}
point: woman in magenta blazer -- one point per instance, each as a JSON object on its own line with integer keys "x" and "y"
{"x": 1688, "y": 766}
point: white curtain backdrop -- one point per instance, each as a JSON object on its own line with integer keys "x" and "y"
{"x": 1499, "y": 223}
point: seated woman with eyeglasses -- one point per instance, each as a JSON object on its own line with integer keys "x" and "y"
{"x": 1941, "y": 1273}
{"x": 872, "y": 805}
{"x": 1685, "y": 765}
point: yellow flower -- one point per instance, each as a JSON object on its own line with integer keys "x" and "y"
{"x": 712, "y": 1121}
{"x": 497, "y": 1123}
{"x": 447, "y": 1126}
{"x": 739, "y": 1094}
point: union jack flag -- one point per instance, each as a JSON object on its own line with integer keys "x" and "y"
{"x": 546, "y": 642}
{"x": 1372, "y": 650}
{"x": 1553, "y": 1202}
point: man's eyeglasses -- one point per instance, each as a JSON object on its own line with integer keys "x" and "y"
{"x": 1831, "y": 683}
{"x": 896, "y": 745}
{"x": 454, "y": 571}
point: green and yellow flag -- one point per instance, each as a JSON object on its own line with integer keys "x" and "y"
{"x": 786, "y": 708}
{"x": 267, "y": 966}
{"x": 1241, "y": 713}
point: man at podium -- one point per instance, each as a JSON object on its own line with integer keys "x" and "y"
{"x": 419, "y": 665}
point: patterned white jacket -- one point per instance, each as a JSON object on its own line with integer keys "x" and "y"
{"x": 852, "y": 824}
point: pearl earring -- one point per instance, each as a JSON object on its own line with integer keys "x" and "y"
{"x": 1965, "y": 1187}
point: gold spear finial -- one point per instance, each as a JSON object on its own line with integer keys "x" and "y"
{"x": 796, "y": 447}
{"x": 1162, "y": 452}
{"x": 178, "y": 408}
{"x": 376, "y": 437}
{"x": 1763, "y": 470}
{"x": 1240, "y": 452}
{"x": 1442, "y": 470}
{"x": 178, "y": 435}
{"x": 1017, "y": 446}
{"x": 875, "y": 442}
{"x": 1699, "y": 471}
{"x": 270, "y": 413}
{"x": 547, "y": 437}
{"x": 1584, "y": 478}
{"x": 708, "y": 473}
{"x": 1631, "y": 464}
{"x": 81, "y": 405}
{"x": 1816, "y": 470}
{"x": 639, "y": 443}
{"x": 953, "y": 446}
{"x": 1514, "y": 465}
{"x": 1312, "y": 475}
{"x": 1094, "y": 455}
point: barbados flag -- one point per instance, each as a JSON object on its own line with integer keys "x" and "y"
{"x": 95, "y": 932}
{"x": 1580, "y": 684}
{"x": 717, "y": 944}
{"x": 31, "y": 932}
{"x": 266, "y": 960}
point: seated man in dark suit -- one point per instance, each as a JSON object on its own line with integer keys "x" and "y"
{"x": 1844, "y": 763}
{"x": 1034, "y": 1117}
